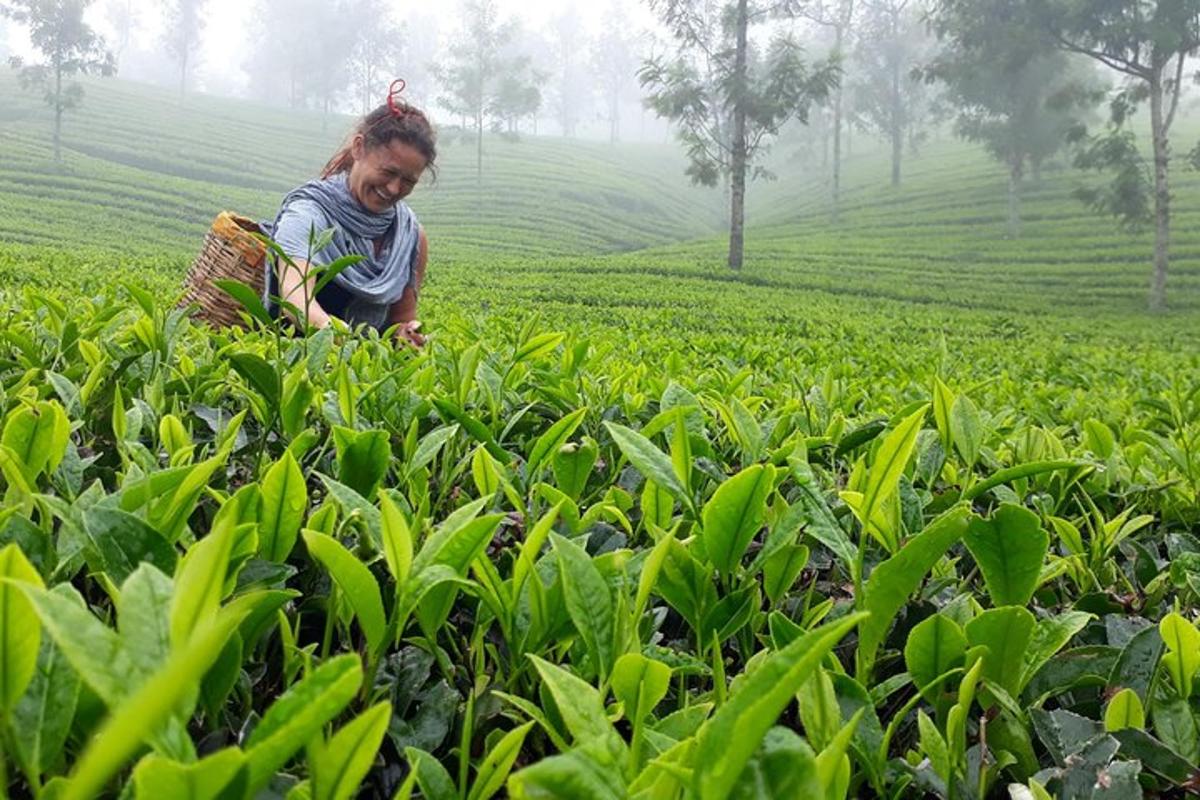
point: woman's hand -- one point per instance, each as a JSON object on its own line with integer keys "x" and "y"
{"x": 408, "y": 333}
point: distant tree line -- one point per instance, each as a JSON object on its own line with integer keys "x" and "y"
{"x": 1026, "y": 79}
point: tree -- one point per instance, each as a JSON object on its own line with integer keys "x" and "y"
{"x": 729, "y": 99}
{"x": 123, "y": 17}
{"x": 376, "y": 43}
{"x": 305, "y": 60}
{"x": 184, "y": 24}
{"x": 416, "y": 63}
{"x": 1013, "y": 92}
{"x": 615, "y": 61}
{"x": 891, "y": 41}
{"x": 479, "y": 66}
{"x": 69, "y": 46}
{"x": 838, "y": 16}
{"x": 1147, "y": 42}
{"x": 572, "y": 86}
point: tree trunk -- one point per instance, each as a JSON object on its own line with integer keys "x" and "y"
{"x": 479, "y": 151}
{"x": 183, "y": 61}
{"x": 1014, "y": 201}
{"x": 1162, "y": 198}
{"x": 614, "y": 117}
{"x": 837, "y": 134}
{"x": 58, "y": 109}
{"x": 897, "y": 121}
{"x": 738, "y": 162}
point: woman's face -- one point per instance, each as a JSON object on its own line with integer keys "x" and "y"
{"x": 384, "y": 175}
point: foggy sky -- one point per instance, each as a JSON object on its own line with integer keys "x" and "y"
{"x": 226, "y": 38}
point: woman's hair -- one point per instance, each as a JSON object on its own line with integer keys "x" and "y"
{"x": 394, "y": 121}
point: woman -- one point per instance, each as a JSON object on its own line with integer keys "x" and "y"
{"x": 359, "y": 197}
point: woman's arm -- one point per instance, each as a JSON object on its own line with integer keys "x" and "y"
{"x": 295, "y": 284}
{"x": 404, "y": 310}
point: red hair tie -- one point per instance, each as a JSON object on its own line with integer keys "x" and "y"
{"x": 394, "y": 91}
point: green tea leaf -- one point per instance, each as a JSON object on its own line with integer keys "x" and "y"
{"x": 589, "y": 604}
{"x": 573, "y": 464}
{"x": 966, "y": 428}
{"x": 356, "y": 582}
{"x": 298, "y": 715}
{"x": 1183, "y": 651}
{"x": 435, "y": 783}
{"x": 783, "y": 767}
{"x": 781, "y": 570}
{"x": 1006, "y": 632}
{"x": 119, "y": 541}
{"x": 283, "y": 500}
{"x": 1049, "y": 636}
{"x": 144, "y": 618}
{"x": 650, "y": 461}
{"x": 152, "y": 704}
{"x": 640, "y": 683}
{"x": 259, "y": 374}
{"x": 496, "y": 766}
{"x": 20, "y": 633}
{"x": 339, "y": 766}
{"x": 579, "y": 703}
{"x": 46, "y": 709}
{"x": 397, "y": 539}
{"x": 549, "y": 442}
{"x": 734, "y": 514}
{"x": 363, "y": 458}
{"x": 587, "y": 772}
{"x": 728, "y": 740}
{"x": 893, "y": 456}
{"x": 1009, "y": 549}
{"x": 934, "y": 647}
{"x": 215, "y": 777}
{"x": 1124, "y": 711}
{"x": 891, "y": 583}
{"x": 200, "y": 582}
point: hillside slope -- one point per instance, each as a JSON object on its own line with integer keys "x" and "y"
{"x": 143, "y": 173}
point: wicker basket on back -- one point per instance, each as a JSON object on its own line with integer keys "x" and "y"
{"x": 231, "y": 252}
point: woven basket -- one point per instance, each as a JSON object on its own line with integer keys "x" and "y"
{"x": 230, "y": 253}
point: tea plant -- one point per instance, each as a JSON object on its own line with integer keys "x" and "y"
{"x": 238, "y": 563}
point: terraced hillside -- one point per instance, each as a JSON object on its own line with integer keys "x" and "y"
{"x": 143, "y": 174}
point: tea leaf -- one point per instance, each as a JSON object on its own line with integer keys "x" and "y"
{"x": 553, "y": 439}
{"x": 356, "y": 582}
{"x": 498, "y": 763}
{"x": 1009, "y": 548}
{"x": 217, "y": 776}
{"x": 935, "y": 646}
{"x": 1006, "y": 632}
{"x": 46, "y": 709}
{"x": 589, "y": 604}
{"x": 1124, "y": 711}
{"x": 640, "y": 683}
{"x": 298, "y": 715}
{"x": 151, "y": 704}
{"x": 284, "y": 497}
{"x": 20, "y": 633}
{"x": 734, "y": 514}
{"x": 729, "y": 739}
{"x": 339, "y": 766}
{"x": 891, "y": 583}
{"x": 1183, "y": 651}
{"x": 650, "y": 461}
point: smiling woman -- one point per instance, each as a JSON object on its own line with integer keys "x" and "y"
{"x": 359, "y": 197}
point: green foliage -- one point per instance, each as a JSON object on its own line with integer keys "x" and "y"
{"x": 612, "y": 551}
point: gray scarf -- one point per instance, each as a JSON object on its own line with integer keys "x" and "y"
{"x": 376, "y": 282}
